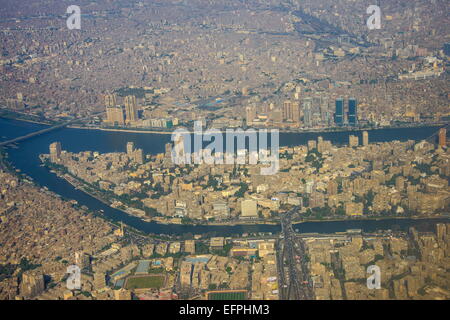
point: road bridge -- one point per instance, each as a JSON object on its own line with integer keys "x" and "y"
{"x": 43, "y": 131}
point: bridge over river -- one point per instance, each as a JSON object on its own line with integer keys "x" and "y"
{"x": 37, "y": 133}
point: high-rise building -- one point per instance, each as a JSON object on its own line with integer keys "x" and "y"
{"x": 295, "y": 111}
{"x": 365, "y": 138}
{"x": 291, "y": 111}
{"x": 110, "y": 100}
{"x": 322, "y": 145}
{"x": 307, "y": 112}
{"x": 352, "y": 111}
{"x": 312, "y": 144}
{"x": 353, "y": 141}
{"x": 130, "y": 148}
{"x": 319, "y": 140}
{"x": 168, "y": 150}
{"x": 131, "y": 113}
{"x": 339, "y": 113}
{"x": 287, "y": 110}
{"x": 443, "y": 137}
{"x": 316, "y": 110}
{"x": 324, "y": 115}
{"x": 115, "y": 115}
{"x": 138, "y": 156}
{"x": 441, "y": 232}
{"x": 55, "y": 151}
{"x": 13, "y": 104}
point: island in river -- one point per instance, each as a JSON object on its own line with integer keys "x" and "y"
{"x": 356, "y": 181}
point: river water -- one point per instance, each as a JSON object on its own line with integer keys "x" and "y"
{"x": 26, "y": 159}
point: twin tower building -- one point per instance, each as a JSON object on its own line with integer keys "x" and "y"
{"x": 352, "y": 113}
{"x": 119, "y": 115}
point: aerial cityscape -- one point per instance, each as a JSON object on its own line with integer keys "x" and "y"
{"x": 201, "y": 150}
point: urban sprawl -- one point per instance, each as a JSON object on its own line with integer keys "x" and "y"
{"x": 155, "y": 67}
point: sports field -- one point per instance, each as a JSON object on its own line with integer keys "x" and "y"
{"x": 144, "y": 282}
{"x": 227, "y": 295}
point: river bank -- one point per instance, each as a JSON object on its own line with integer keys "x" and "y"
{"x": 12, "y": 115}
{"x": 281, "y": 130}
{"x": 25, "y": 158}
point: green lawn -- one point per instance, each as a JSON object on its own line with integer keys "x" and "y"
{"x": 153, "y": 281}
{"x": 227, "y": 296}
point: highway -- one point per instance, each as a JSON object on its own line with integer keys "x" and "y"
{"x": 293, "y": 275}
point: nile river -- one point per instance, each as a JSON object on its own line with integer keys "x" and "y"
{"x": 26, "y": 159}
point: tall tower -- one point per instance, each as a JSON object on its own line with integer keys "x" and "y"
{"x": 130, "y": 148}
{"x": 339, "y": 113}
{"x": 130, "y": 109}
{"x": 307, "y": 112}
{"x": 353, "y": 141}
{"x": 295, "y": 112}
{"x": 352, "y": 111}
{"x": 168, "y": 148}
{"x": 115, "y": 115}
{"x": 291, "y": 111}
{"x": 365, "y": 138}
{"x": 324, "y": 112}
{"x": 287, "y": 105}
{"x": 443, "y": 137}
{"x": 55, "y": 151}
{"x": 138, "y": 156}
{"x": 110, "y": 100}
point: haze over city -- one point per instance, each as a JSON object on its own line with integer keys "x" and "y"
{"x": 224, "y": 150}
